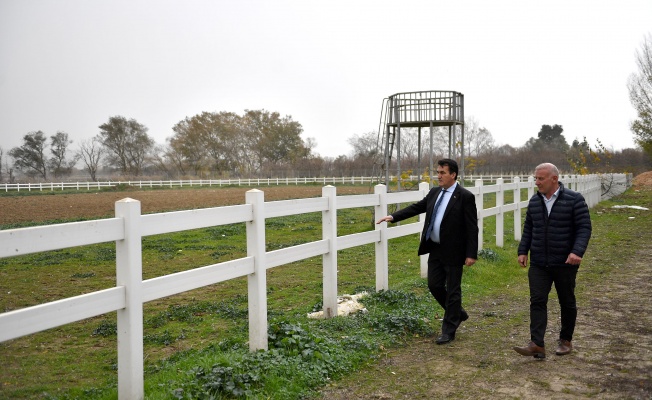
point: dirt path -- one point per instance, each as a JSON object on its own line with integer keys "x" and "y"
{"x": 612, "y": 357}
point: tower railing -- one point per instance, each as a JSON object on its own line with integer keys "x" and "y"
{"x": 431, "y": 108}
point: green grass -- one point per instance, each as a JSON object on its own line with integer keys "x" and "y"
{"x": 196, "y": 342}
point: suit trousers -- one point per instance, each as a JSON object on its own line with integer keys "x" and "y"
{"x": 541, "y": 280}
{"x": 445, "y": 284}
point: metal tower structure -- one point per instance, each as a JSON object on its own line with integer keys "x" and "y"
{"x": 427, "y": 109}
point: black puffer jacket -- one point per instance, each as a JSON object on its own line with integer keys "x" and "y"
{"x": 551, "y": 238}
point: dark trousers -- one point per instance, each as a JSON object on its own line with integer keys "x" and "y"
{"x": 445, "y": 284}
{"x": 541, "y": 280}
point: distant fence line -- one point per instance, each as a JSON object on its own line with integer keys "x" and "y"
{"x": 352, "y": 180}
{"x": 131, "y": 292}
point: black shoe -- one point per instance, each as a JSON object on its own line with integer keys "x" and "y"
{"x": 445, "y": 338}
{"x": 464, "y": 316}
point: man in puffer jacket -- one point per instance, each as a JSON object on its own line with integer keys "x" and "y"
{"x": 556, "y": 234}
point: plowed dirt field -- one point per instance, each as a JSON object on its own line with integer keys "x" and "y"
{"x": 14, "y": 209}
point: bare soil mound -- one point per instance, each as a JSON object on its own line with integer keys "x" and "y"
{"x": 643, "y": 181}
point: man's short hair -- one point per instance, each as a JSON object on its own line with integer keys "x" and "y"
{"x": 451, "y": 164}
{"x": 551, "y": 168}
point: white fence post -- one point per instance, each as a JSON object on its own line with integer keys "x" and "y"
{"x": 597, "y": 193}
{"x": 129, "y": 273}
{"x": 500, "y": 217}
{"x": 479, "y": 205}
{"x": 517, "y": 212}
{"x": 382, "y": 259}
{"x": 530, "y": 187}
{"x": 257, "y": 282}
{"x": 329, "y": 260}
{"x": 424, "y": 187}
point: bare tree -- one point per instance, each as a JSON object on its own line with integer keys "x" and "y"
{"x": 477, "y": 139}
{"x": 162, "y": 161}
{"x": 410, "y": 142}
{"x": 440, "y": 143}
{"x": 11, "y": 178}
{"x": 366, "y": 153}
{"x": 91, "y": 153}
{"x": 471, "y": 129}
{"x": 6, "y": 167}
{"x": 365, "y": 145}
{"x": 640, "y": 95}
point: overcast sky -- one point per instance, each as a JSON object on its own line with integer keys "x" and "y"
{"x": 68, "y": 65}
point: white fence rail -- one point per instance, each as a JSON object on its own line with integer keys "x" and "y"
{"x": 131, "y": 292}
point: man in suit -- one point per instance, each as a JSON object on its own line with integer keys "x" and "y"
{"x": 450, "y": 237}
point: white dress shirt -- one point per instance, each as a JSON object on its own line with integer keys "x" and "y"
{"x": 440, "y": 211}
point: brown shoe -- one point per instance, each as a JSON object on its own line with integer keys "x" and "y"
{"x": 565, "y": 347}
{"x": 531, "y": 350}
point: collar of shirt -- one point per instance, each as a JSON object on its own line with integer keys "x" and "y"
{"x": 451, "y": 189}
{"x": 549, "y": 202}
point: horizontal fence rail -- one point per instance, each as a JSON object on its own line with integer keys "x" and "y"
{"x": 129, "y": 227}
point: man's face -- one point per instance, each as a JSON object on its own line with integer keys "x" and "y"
{"x": 546, "y": 182}
{"x": 444, "y": 177}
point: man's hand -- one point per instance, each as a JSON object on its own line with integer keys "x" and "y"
{"x": 522, "y": 260}
{"x": 573, "y": 259}
{"x": 388, "y": 218}
{"x": 469, "y": 261}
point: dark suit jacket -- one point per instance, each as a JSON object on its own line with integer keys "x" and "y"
{"x": 459, "y": 226}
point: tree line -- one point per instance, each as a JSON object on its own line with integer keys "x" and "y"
{"x": 264, "y": 144}
{"x": 208, "y": 144}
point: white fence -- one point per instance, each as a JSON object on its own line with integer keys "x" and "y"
{"x": 52, "y": 186}
{"x": 131, "y": 292}
{"x": 85, "y": 185}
